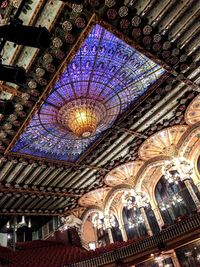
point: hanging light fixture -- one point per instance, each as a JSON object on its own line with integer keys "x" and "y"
{"x": 29, "y": 223}
{"x": 81, "y": 116}
{"x": 177, "y": 169}
{"x": 136, "y": 222}
{"x": 22, "y": 223}
{"x": 100, "y": 221}
{"x": 174, "y": 200}
{"x": 164, "y": 206}
{"x": 8, "y": 224}
{"x": 132, "y": 199}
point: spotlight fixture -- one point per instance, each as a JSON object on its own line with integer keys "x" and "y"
{"x": 38, "y": 37}
{"x": 12, "y": 74}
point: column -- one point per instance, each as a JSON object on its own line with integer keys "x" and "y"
{"x": 157, "y": 213}
{"x": 146, "y": 222}
{"x": 175, "y": 260}
{"x": 110, "y": 235}
{"x": 158, "y": 217}
{"x": 192, "y": 193}
{"x": 172, "y": 255}
{"x": 198, "y": 186}
{"x": 14, "y": 233}
{"x": 123, "y": 231}
{"x": 171, "y": 213}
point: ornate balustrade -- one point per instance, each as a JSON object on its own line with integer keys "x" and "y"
{"x": 169, "y": 237}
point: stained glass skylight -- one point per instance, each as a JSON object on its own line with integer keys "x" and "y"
{"x": 103, "y": 79}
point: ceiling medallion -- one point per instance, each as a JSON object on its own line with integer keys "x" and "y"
{"x": 104, "y": 78}
{"x": 82, "y": 116}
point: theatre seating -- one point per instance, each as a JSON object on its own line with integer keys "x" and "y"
{"x": 41, "y": 253}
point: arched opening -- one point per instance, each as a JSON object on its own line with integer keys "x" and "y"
{"x": 174, "y": 199}
{"x": 198, "y": 165}
{"x": 116, "y": 232}
{"x": 133, "y": 223}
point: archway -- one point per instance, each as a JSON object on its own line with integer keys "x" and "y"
{"x": 173, "y": 199}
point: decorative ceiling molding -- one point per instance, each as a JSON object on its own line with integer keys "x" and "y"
{"x": 162, "y": 143}
{"x": 192, "y": 114}
{"x": 169, "y": 34}
{"x": 124, "y": 173}
{"x": 94, "y": 198}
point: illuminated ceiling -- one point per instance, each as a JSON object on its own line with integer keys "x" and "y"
{"x": 104, "y": 78}
{"x": 166, "y": 33}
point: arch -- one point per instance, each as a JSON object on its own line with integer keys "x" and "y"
{"x": 95, "y": 197}
{"x": 189, "y": 148}
{"x": 110, "y": 198}
{"x": 85, "y": 215}
{"x": 162, "y": 143}
{"x": 112, "y": 194}
{"x": 124, "y": 173}
{"x": 149, "y": 175}
{"x": 174, "y": 200}
{"x": 192, "y": 114}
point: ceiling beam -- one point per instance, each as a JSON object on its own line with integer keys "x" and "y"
{"x": 29, "y": 213}
{"x": 13, "y": 190}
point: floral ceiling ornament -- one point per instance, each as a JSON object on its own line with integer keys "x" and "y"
{"x": 77, "y": 8}
{"x": 110, "y": 3}
{"x": 67, "y": 25}
{"x": 6, "y": 9}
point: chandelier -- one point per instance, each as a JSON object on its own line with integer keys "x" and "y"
{"x": 82, "y": 116}
{"x": 99, "y": 221}
{"x": 175, "y": 200}
{"x": 177, "y": 169}
{"x": 139, "y": 220}
{"x": 132, "y": 199}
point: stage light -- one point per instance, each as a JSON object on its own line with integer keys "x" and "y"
{"x": 38, "y": 37}
{"x": 12, "y": 74}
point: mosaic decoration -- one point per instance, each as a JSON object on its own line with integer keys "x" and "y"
{"x": 96, "y": 197}
{"x": 124, "y": 173}
{"x": 192, "y": 114}
{"x": 162, "y": 143}
{"x": 104, "y": 78}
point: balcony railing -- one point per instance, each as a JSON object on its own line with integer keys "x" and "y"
{"x": 178, "y": 230}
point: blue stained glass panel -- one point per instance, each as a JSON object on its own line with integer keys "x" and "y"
{"x": 106, "y": 70}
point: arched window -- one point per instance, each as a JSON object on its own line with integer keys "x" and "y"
{"x": 173, "y": 200}
{"x": 102, "y": 236}
{"x": 116, "y": 232}
{"x": 198, "y": 165}
{"x": 133, "y": 223}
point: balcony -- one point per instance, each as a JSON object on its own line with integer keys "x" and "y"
{"x": 128, "y": 253}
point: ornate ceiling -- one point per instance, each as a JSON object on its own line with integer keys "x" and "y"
{"x": 123, "y": 174}
{"x": 166, "y": 33}
{"x": 162, "y": 143}
{"x": 104, "y": 78}
{"x": 192, "y": 115}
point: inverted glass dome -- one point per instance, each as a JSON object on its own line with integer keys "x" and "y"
{"x": 104, "y": 78}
